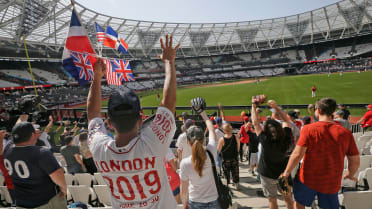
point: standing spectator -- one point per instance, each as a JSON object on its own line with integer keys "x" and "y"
{"x": 306, "y": 120}
{"x": 40, "y": 183}
{"x": 71, "y": 154}
{"x": 339, "y": 118}
{"x": 85, "y": 153}
{"x": 218, "y": 127}
{"x": 135, "y": 157}
{"x": 346, "y": 112}
{"x": 366, "y": 120}
{"x": 198, "y": 188}
{"x": 313, "y": 90}
{"x": 244, "y": 137}
{"x": 253, "y": 150}
{"x": 183, "y": 147}
{"x": 323, "y": 146}
{"x": 275, "y": 142}
{"x": 229, "y": 146}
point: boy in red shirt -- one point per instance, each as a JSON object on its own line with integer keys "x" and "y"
{"x": 366, "y": 120}
{"x": 323, "y": 146}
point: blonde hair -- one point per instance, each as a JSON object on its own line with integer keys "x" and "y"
{"x": 195, "y": 136}
{"x": 227, "y": 128}
{"x": 198, "y": 156}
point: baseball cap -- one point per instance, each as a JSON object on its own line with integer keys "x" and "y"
{"x": 369, "y": 106}
{"x": 339, "y": 112}
{"x": 246, "y": 118}
{"x": 22, "y": 130}
{"x": 195, "y": 132}
{"x": 293, "y": 114}
{"x": 36, "y": 126}
{"x": 211, "y": 118}
{"x": 218, "y": 120}
{"x": 188, "y": 123}
{"x": 123, "y": 103}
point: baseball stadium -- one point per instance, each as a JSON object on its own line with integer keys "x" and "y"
{"x": 296, "y": 63}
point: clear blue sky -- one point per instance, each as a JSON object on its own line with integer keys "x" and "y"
{"x": 202, "y": 11}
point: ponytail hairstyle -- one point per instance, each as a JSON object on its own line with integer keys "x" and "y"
{"x": 195, "y": 136}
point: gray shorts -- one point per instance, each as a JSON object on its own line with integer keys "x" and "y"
{"x": 269, "y": 187}
{"x": 254, "y": 159}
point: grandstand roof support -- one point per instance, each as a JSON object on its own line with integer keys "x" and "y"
{"x": 62, "y": 26}
{"x": 312, "y": 27}
{"x": 365, "y": 13}
{"x": 346, "y": 19}
{"x": 45, "y": 19}
{"x": 7, "y": 5}
{"x": 329, "y": 25}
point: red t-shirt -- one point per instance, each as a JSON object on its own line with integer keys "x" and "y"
{"x": 313, "y": 89}
{"x": 244, "y": 136}
{"x": 368, "y": 119}
{"x": 327, "y": 144}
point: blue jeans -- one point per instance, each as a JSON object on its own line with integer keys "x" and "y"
{"x": 207, "y": 205}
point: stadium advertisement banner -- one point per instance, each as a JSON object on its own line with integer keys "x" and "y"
{"x": 25, "y": 87}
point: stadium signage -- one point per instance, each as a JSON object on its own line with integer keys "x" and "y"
{"x": 316, "y": 61}
{"x": 25, "y": 87}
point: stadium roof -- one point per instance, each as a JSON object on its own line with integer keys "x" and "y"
{"x": 44, "y": 23}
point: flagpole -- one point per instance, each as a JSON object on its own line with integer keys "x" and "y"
{"x": 78, "y": 16}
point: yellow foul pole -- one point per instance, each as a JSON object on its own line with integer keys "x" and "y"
{"x": 29, "y": 64}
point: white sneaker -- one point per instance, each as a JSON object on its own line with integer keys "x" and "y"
{"x": 236, "y": 186}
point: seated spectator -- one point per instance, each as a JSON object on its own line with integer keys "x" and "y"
{"x": 71, "y": 153}
{"x": 339, "y": 118}
{"x": 85, "y": 153}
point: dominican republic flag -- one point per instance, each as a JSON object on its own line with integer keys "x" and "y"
{"x": 100, "y": 33}
{"x": 122, "y": 69}
{"x": 112, "y": 40}
{"x": 76, "y": 58}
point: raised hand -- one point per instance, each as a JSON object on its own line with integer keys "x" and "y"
{"x": 169, "y": 53}
{"x": 99, "y": 69}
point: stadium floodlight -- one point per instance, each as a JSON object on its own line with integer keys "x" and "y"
{"x": 33, "y": 13}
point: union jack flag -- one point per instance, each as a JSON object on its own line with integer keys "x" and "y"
{"x": 83, "y": 65}
{"x": 112, "y": 77}
{"x": 122, "y": 69}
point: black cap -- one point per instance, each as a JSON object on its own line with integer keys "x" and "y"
{"x": 123, "y": 103}
{"x": 293, "y": 114}
{"x": 22, "y": 131}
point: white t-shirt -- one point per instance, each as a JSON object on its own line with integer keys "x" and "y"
{"x": 135, "y": 173}
{"x": 219, "y": 133}
{"x": 169, "y": 156}
{"x": 44, "y": 137}
{"x": 201, "y": 189}
{"x": 183, "y": 145}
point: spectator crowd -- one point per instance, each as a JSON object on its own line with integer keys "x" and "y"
{"x": 140, "y": 170}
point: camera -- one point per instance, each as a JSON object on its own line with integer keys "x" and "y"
{"x": 29, "y": 104}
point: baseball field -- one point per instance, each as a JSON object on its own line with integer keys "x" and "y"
{"x": 351, "y": 87}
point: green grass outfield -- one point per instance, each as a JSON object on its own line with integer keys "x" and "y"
{"x": 349, "y": 88}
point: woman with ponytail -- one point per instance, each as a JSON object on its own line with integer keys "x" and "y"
{"x": 198, "y": 188}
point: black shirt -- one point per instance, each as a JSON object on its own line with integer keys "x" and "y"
{"x": 346, "y": 114}
{"x": 253, "y": 142}
{"x": 273, "y": 160}
{"x": 229, "y": 150}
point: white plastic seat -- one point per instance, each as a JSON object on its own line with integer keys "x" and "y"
{"x": 362, "y": 141}
{"x": 99, "y": 179}
{"x": 70, "y": 180}
{"x": 365, "y": 162}
{"x": 358, "y": 200}
{"x": 103, "y": 193}
{"x": 84, "y": 179}
{"x": 84, "y": 194}
{"x": 348, "y": 182}
{"x": 6, "y": 199}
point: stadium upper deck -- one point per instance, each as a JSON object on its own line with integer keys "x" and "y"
{"x": 44, "y": 23}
